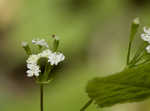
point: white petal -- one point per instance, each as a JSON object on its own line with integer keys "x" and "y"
{"x": 29, "y": 73}
{"x": 148, "y": 49}
{"x": 147, "y": 30}
{"x": 55, "y": 58}
{"x": 145, "y": 37}
{"x": 40, "y": 42}
{"x": 33, "y": 59}
{"x": 36, "y": 74}
{"x": 45, "y": 53}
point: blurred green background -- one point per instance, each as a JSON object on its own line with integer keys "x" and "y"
{"x": 94, "y": 39}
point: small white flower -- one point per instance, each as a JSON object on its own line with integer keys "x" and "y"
{"x": 45, "y": 53}
{"x": 147, "y": 30}
{"x": 148, "y": 49}
{"x": 30, "y": 73}
{"x": 33, "y": 59}
{"x": 146, "y": 35}
{"x": 40, "y": 42}
{"x": 136, "y": 21}
{"x": 24, "y": 44}
{"x": 55, "y": 58}
{"x": 33, "y": 70}
{"x": 31, "y": 66}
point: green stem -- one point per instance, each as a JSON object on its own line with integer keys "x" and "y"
{"x": 129, "y": 50}
{"x": 86, "y": 105}
{"x": 134, "y": 29}
{"x": 146, "y": 61}
{"x": 136, "y": 61}
{"x": 41, "y": 96}
{"x": 140, "y": 52}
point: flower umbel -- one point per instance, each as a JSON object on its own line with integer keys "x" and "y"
{"x": 40, "y": 42}
{"x": 42, "y": 61}
{"x": 45, "y": 53}
{"x": 146, "y": 35}
{"x": 55, "y": 58}
{"x": 33, "y": 59}
{"x": 34, "y": 70}
{"x": 148, "y": 49}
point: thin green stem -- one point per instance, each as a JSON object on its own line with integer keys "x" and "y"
{"x": 41, "y": 96}
{"x": 134, "y": 29}
{"x": 146, "y": 61}
{"x": 140, "y": 53}
{"x": 129, "y": 50}
{"x": 86, "y": 105}
{"x": 136, "y": 61}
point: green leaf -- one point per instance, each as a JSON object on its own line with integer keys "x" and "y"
{"x": 130, "y": 85}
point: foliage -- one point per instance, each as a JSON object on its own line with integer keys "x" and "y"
{"x": 130, "y": 85}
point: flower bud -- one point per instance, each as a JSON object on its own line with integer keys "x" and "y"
{"x": 134, "y": 28}
{"x": 55, "y": 43}
{"x": 136, "y": 21}
{"x": 26, "y": 47}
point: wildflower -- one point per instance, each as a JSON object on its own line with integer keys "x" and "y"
{"x": 45, "y": 53}
{"x": 148, "y": 49}
{"x": 146, "y": 35}
{"x": 33, "y": 59}
{"x": 39, "y": 63}
{"x": 136, "y": 21}
{"x": 147, "y": 30}
{"x": 40, "y": 42}
{"x": 55, "y": 58}
{"x": 34, "y": 70}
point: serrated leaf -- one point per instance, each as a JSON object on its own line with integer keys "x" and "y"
{"x": 130, "y": 85}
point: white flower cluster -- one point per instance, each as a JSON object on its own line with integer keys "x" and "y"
{"x": 34, "y": 69}
{"x": 40, "y": 42}
{"x": 53, "y": 59}
{"x": 146, "y": 37}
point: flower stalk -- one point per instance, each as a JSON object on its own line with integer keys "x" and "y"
{"x": 41, "y": 97}
{"x": 142, "y": 55}
{"x": 86, "y": 105}
{"x": 134, "y": 28}
{"x": 41, "y": 62}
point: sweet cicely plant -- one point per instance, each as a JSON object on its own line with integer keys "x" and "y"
{"x": 41, "y": 61}
{"x": 130, "y": 85}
